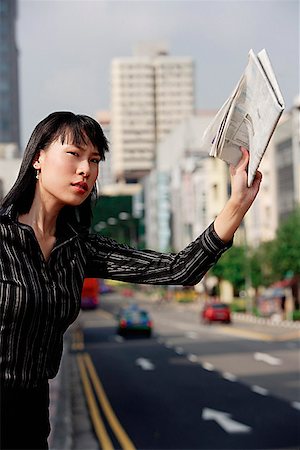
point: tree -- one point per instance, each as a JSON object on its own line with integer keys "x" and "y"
{"x": 261, "y": 264}
{"x": 233, "y": 266}
{"x": 286, "y": 255}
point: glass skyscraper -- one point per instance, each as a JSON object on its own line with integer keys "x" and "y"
{"x": 9, "y": 90}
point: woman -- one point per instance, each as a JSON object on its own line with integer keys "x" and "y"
{"x": 46, "y": 252}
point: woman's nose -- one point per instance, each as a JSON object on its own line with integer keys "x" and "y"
{"x": 84, "y": 168}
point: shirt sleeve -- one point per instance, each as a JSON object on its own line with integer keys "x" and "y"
{"x": 108, "y": 259}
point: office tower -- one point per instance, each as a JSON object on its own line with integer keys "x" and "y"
{"x": 287, "y": 156}
{"x": 151, "y": 93}
{"x": 9, "y": 92}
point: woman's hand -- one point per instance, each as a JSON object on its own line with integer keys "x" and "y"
{"x": 241, "y": 199}
{"x": 242, "y": 195}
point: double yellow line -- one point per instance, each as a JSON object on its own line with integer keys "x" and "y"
{"x": 92, "y": 384}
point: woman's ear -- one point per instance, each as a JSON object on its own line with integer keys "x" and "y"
{"x": 36, "y": 162}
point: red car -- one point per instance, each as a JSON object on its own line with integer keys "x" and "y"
{"x": 216, "y": 312}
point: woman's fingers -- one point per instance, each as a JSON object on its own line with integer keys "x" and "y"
{"x": 257, "y": 180}
{"x": 243, "y": 162}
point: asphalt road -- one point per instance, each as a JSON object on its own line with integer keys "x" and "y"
{"x": 190, "y": 386}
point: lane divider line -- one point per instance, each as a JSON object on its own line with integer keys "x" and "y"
{"x": 99, "y": 427}
{"x": 259, "y": 390}
{"x": 112, "y": 419}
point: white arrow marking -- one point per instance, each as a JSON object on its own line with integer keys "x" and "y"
{"x": 296, "y": 405}
{"x": 145, "y": 364}
{"x": 267, "y": 359}
{"x": 224, "y": 420}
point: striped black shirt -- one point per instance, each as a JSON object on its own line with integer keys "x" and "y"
{"x": 39, "y": 299}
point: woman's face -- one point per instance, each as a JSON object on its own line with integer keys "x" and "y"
{"x": 67, "y": 172}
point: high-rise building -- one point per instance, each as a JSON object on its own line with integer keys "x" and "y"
{"x": 105, "y": 177}
{"x": 151, "y": 93}
{"x": 9, "y": 91}
{"x": 287, "y": 156}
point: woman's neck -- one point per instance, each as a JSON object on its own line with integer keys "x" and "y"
{"x": 41, "y": 217}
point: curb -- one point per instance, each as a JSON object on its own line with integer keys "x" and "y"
{"x": 60, "y": 409}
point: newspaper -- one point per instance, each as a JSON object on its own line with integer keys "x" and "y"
{"x": 249, "y": 116}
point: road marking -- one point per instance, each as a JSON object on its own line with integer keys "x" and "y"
{"x": 247, "y": 334}
{"x": 192, "y": 334}
{"x": 112, "y": 419}
{"x": 145, "y": 364}
{"x": 179, "y": 350}
{"x": 259, "y": 390}
{"x": 193, "y": 358}
{"x": 99, "y": 427}
{"x": 296, "y": 405}
{"x": 118, "y": 339}
{"x": 208, "y": 366}
{"x": 267, "y": 359}
{"x": 104, "y": 314}
{"x": 77, "y": 340}
{"x": 229, "y": 376}
{"x": 225, "y": 421}
{"x": 289, "y": 336}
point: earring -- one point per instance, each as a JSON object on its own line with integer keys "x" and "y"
{"x": 37, "y": 176}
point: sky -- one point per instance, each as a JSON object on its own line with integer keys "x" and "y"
{"x": 66, "y": 47}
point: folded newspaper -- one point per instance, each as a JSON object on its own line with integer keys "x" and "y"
{"x": 249, "y": 116}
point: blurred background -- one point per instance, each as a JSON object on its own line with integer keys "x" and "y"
{"x": 154, "y": 74}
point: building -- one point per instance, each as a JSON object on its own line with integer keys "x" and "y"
{"x": 151, "y": 93}
{"x": 9, "y": 90}
{"x": 105, "y": 177}
{"x": 167, "y": 225}
{"x": 9, "y": 167}
{"x": 287, "y": 162}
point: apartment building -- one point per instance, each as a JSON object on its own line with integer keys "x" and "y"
{"x": 151, "y": 92}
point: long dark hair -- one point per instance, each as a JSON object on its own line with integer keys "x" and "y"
{"x": 80, "y": 129}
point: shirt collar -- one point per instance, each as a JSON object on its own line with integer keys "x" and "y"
{"x": 8, "y": 213}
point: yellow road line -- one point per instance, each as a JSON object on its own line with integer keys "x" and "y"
{"x": 295, "y": 334}
{"x": 104, "y": 314}
{"x": 247, "y": 334}
{"x": 119, "y": 431}
{"x": 77, "y": 340}
{"x": 99, "y": 427}
{"x": 289, "y": 336}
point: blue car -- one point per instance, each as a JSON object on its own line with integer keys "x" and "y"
{"x": 133, "y": 320}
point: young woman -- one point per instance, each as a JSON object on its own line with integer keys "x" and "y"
{"x": 46, "y": 251}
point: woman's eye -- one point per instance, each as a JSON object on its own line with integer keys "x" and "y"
{"x": 73, "y": 153}
{"x": 97, "y": 161}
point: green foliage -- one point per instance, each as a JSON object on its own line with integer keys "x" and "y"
{"x": 296, "y": 315}
{"x": 232, "y": 267}
{"x": 270, "y": 262}
{"x": 286, "y": 255}
{"x": 262, "y": 264}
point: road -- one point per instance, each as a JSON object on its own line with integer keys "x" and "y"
{"x": 190, "y": 386}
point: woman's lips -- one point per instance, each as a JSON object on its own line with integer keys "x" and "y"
{"x": 81, "y": 187}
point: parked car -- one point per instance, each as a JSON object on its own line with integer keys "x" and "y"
{"x": 90, "y": 293}
{"x": 216, "y": 312}
{"x": 133, "y": 320}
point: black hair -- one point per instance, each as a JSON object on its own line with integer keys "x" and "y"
{"x": 81, "y": 130}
